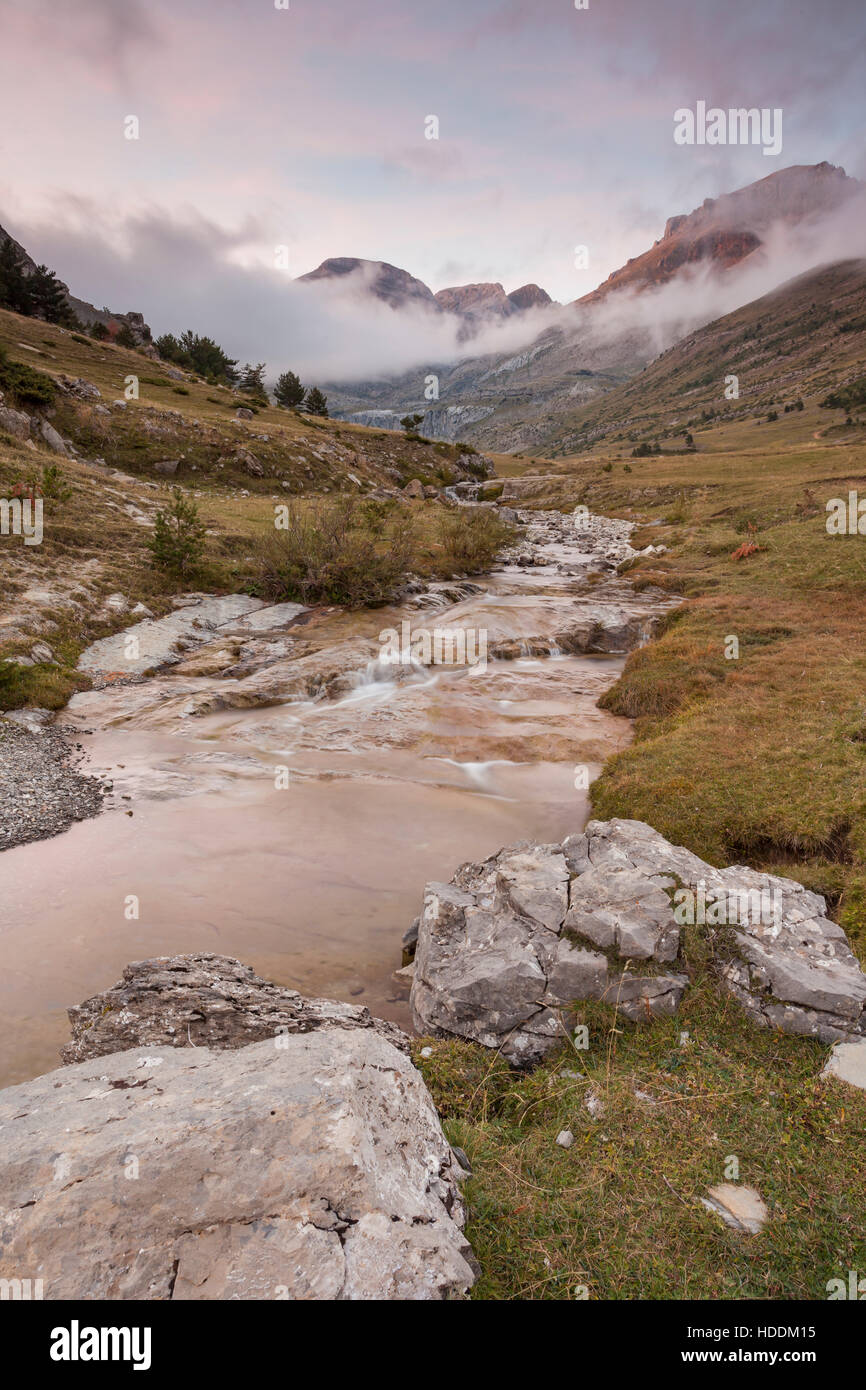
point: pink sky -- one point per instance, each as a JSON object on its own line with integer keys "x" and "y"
{"x": 262, "y": 127}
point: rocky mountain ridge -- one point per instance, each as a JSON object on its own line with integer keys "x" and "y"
{"x": 87, "y": 313}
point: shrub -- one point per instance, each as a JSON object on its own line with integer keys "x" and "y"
{"x": 177, "y": 544}
{"x": 853, "y": 394}
{"x": 54, "y": 484}
{"x": 337, "y": 551}
{"x": 24, "y": 383}
{"x": 471, "y": 539}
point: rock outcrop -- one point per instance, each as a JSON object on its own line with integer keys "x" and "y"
{"x": 304, "y": 1167}
{"x": 510, "y": 943}
{"x": 203, "y": 1000}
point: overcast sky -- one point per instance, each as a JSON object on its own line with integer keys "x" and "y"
{"x": 305, "y": 127}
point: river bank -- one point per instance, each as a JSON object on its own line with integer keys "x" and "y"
{"x": 281, "y": 794}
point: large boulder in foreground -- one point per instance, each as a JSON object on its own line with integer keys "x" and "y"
{"x": 511, "y": 942}
{"x": 203, "y": 1000}
{"x": 310, "y": 1166}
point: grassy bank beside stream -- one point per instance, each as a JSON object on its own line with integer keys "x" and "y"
{"x": 757, "y": 758}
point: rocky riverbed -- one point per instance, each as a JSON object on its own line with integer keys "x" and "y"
{"x": 43, "y": 789}
{"x": 279, "y": 787}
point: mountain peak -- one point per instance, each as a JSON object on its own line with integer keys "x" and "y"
{"x": 387, "y": 282}
{"x": 726, "y": 229}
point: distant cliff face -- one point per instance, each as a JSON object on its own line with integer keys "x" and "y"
{"x": 530, "y": 297}
{"x": 478, "y": 301}
{"x": 489, "y": 300}
{"x": 87, "y": 313}
{"x": 724, "y": 231}
{"x": 397, "y": 288}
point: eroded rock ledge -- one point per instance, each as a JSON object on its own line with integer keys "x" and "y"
{"x": 203, "y": 1000}
{"x": 510, "y": 943}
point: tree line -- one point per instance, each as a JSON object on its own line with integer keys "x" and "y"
{"x": 37, "y": 293}
{"x": 207, "y": 359}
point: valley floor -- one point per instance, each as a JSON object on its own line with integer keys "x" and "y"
{"x": 755, "y": 757}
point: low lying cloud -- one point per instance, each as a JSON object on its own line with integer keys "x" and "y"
{"x": 188, "y": 274}
{"x": 700, "y": 293}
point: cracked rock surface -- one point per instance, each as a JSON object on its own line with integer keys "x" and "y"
{"x": 510, "y": 943}
{"x": 203, "y": 1000}
{"x": 309, "y": 1167}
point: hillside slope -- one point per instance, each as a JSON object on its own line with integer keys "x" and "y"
{"x": 798, "y": 342}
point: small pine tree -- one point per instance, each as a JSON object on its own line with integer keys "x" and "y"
{"x": 177, "y": 544}
{"x": 288, "y": 391}
{"x": 253, "y": 383}
{"x": 125, "y": 337}
{"x": 48, "y": 297}
{"x": 410, "y": 423}
{"x": 98, "y": 331}
{"x": 15, "y": 291}
{"x": 315, "y": 403}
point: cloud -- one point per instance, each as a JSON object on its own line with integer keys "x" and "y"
{"x": 700, "y": 294}
{"x": 185, "y": 273}
{"x": 180, "y": 273}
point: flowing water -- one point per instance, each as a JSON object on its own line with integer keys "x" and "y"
{"x": 291, "y": 793}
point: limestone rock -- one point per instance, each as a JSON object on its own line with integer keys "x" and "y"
{"x": 847, "y": 1062}
{"x": 48, "y": 434}
{"x": 511, "y": 942}
{"x": 742, "y": 1208}
{"x": 312, "y": 1168}
{"x": 14, "y": 422}
{"x": 77, "y": 386}
{"x": 203, "y": 1000}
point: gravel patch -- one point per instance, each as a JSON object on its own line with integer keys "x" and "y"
{"x": 42, "y": 792}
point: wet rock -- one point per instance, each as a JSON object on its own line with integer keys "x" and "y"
{"x": 512, "y": 941}
{"x": 309, "y": 1167}
{"x": 153, "y": 642}
{"x": 203, "y": 1000}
